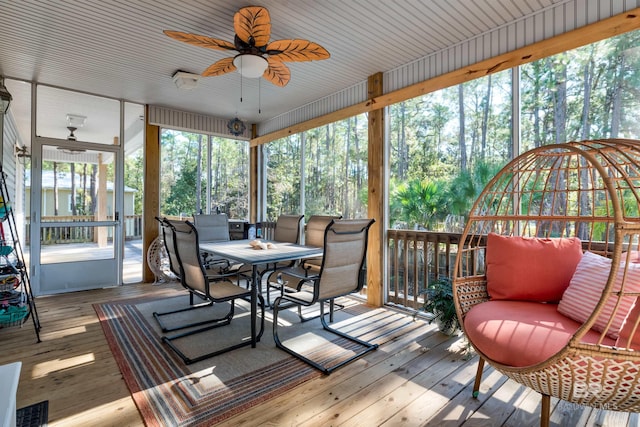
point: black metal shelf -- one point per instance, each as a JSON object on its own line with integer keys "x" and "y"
{"x": 17, "y": 303}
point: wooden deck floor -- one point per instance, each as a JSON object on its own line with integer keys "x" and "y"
{"x": 424, "y": 378}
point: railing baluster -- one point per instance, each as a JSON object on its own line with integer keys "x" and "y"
{"x": 414, "y": 260}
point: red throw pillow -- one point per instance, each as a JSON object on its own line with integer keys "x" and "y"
{"x": 585, "y": 292}
{"x": 530, "y": 268}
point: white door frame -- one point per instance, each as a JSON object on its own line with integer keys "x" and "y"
{"x": 75, "y": 275}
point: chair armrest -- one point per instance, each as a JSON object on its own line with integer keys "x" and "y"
{"x": 469, "y": 291}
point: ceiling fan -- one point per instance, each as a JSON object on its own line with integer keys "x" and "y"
{"x": 256, "y": 55}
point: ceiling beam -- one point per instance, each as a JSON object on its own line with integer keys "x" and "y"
{"x": 591, "y": 33}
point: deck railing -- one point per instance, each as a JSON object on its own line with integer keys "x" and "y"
{"x": 415, "y": 259}
{"x": 78, "y": 234}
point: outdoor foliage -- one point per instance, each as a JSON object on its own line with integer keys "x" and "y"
{"x": 321, "y": 171}
{"x": 184, "y": 175}
{"x": 456, "y": 139}
{"x": 439, "y": 302}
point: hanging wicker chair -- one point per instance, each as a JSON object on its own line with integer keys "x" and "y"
{"x": 555, "y": 195}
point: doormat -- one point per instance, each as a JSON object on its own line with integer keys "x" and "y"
{"x": 36, "y": 415}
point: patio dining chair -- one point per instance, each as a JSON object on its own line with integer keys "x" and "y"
{"x": 287, "y": 230}
{"x": 169, "y": 229}
{"x": 214, "y": 289}
{"x": 341, "y": 273}
{"x": 214, "y": 228}
{"x": 313, "y": 236}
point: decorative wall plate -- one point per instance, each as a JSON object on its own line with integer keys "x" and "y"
{"x": 236, "y": 126}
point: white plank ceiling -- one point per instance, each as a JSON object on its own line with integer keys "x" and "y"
{"x": 117, "y": 48}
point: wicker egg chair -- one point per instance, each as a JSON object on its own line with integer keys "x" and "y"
{"x": 588, "y": 190}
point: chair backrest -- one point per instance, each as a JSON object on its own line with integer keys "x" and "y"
{"x": 288, "y": 228}
{"x": 345, "y": 249}
{"x": 212, "y": 227}
{"x": 169, "y": 245}
{"x": 316, "y": 226}
{"x": 192, "y": 272}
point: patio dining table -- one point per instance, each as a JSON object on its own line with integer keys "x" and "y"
{"x": 241, "y": 251}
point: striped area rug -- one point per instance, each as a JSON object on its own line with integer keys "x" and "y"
{"x": 168, "y": 392}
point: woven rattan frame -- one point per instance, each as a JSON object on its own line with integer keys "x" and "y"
{"x": 588, "y": 189}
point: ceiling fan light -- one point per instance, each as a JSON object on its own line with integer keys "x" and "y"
{"x": 250, "y": 66}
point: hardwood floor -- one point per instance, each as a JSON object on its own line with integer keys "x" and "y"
{"x": 424, "y": 378}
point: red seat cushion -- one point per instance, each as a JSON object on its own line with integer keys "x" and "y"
{"x": 530, "y": 268}
{"x": 521, "y": 333}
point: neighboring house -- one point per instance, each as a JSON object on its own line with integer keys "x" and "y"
{"x": 65, "y": 197}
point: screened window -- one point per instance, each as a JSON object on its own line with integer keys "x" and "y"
{"x": 201, "y": 173}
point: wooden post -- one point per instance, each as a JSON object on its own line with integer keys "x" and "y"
{"x": 151, "y": 202}
{"x": 376, "y": 196}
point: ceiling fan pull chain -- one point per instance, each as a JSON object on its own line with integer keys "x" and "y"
{"x": 259, "y": 97}
{"x": 240, "y": 88}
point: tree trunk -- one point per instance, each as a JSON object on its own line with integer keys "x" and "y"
{"x": 55, "y": 188}
{"x": 345, "y": 193}
{"x": 616, "y": 107}
{"x": 359, "y": 172}
{"x": 537, "y": 139}
{"x": 199, "y": 176}
{"x": 586, "y": 99}
{"x": 403, "y": 154}
{"x": 84, "y": 188}
{"x": 93, "y": 188}
{"x": 461, "y": 141}
{"x": 486, "y": 106}
{"x": 560, "y": 103}
{"x": 74, "y": 209}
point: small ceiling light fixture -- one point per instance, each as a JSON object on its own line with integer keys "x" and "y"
{"x": 5, "y": 97}
{"x": 184, "y": 80}
{"x": 74, "y": 121}
{"x": 250, "y": 66}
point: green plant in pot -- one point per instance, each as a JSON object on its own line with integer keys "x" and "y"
{"x": 439, "y": 302}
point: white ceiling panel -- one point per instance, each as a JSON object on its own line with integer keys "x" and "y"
{"x": 117, "y": 48}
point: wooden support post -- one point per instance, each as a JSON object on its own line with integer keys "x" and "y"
{"x": 151, "y": 203}
{"x": 376, "y": 196}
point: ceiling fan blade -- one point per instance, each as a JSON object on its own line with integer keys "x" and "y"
{"x": 277, "y": 73}
{"x": 221, "y": 67}
{"x": 253, "y": 25}
{"x": 201, "y": 41}
{"x": 296, "y": 50}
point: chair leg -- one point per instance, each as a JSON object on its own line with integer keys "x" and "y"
{"x": 324, "y": 369}
{"x": 331, "y": 311}
{"x": 187, "y": 360}
{"x": 262, "y": 306}
{"x": 164, "y": 328}
{"x": 280, "y": 286}
{"x": 544, "y": 410}
{"x": 476, "y": 384}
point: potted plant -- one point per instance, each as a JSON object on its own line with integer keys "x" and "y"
{"x": 439, "y": 302}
